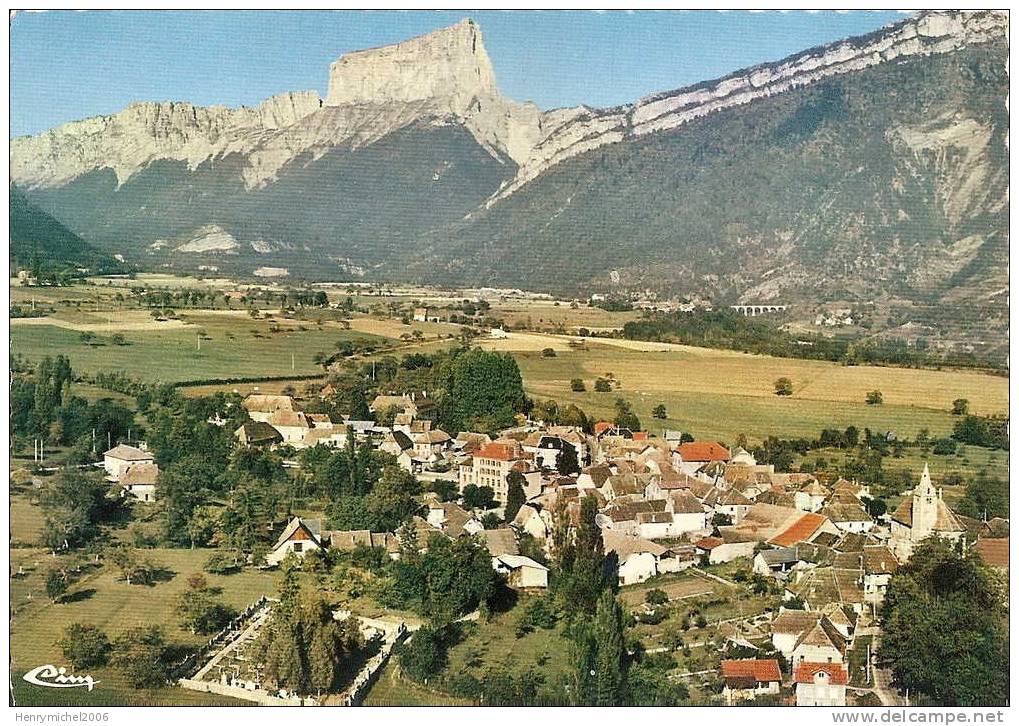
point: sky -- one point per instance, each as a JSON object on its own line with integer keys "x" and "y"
{"x": 71, "y": 65}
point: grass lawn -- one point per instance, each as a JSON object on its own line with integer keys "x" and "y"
{"x": 858, "y": 661}
{"x": 678, "y": 586}
{"x": 26, "y": 520}
{"x": 102, "y": 600}
{"x": 238, "y": 347}
{"x": 494, "y": 644}
{"x": 720, "y": 394}
{"x": 392, "y": 689}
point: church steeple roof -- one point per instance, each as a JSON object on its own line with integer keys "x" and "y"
{"x": 925, "y": 488}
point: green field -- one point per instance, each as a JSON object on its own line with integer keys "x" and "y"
{"x": 237, "y": 347}
{"x": 720, "y": 394}
{"x": 100, "y": 599}
{"x": 392, "y": 689}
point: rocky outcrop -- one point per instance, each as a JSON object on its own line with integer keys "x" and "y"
{"x": 442, "y": 77}
{"x": 926, "y": 34}
{"x": 144, "y": 132}
{"x": 448, "y": 67}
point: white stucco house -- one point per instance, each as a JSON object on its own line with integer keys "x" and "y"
{"x": 521, "y": 572}
{"x": 299, "y": 537}
{"x": 118, "y": 459}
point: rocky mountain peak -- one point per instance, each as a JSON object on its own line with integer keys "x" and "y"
{"x": 449, "y": 66}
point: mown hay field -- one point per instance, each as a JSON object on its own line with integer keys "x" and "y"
{"x": 720, "y": 394}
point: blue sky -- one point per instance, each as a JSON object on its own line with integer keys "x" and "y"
{"x": 71, "y": 65}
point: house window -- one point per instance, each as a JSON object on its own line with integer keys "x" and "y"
{"x": 299, "y": 546}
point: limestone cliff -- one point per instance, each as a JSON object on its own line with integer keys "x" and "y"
{"x": 926, "y": 34}
{"x": 144, "y": 132}
{"x": 443, "y": 77}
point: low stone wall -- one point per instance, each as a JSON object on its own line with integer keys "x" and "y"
{"x": 246, "y": 694}
{"x": 366, "y": 676}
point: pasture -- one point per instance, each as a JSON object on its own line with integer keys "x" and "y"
{"x": 720, "y": 394}
{"x": 231, "y": 346}
{"x": 101, "y": 599}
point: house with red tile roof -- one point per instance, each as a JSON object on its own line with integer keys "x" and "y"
{"x": 745, "y": 680}
{"x": 993, "y": 551}
{"x": 804, "y": 529}
{"x": 696, "y": 454}
{"x": 820, "y": 684}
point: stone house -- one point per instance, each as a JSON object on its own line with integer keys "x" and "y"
{"x": 139, "y": 481}
{"x": 299, "y": 537}
{"x": 521, "y": 572}
{"x": 822, "y": 643}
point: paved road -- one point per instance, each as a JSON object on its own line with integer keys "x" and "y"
{"x": 883, "y": 687}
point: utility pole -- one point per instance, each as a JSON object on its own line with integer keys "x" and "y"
{"x": 293, "y": 366}
{"x": 93, "y": 441}
{"x": 109, "y": 440}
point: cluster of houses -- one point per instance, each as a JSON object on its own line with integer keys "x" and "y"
{"x": 664, "y": 504}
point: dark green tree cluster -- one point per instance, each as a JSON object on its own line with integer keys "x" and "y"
{"x": 985, "y": 497}
{"x": 140, "y": 654}
{"x": 450, "y": 579}
{"x": 484, "y": 392}
{"x": 945, "y": 628}
{"x": 74, "y": 505}
{"x": 198, "y": 608}
{"x": 991, "y": 433}
{"x": 43, "y": 407}
{"x": 389, "y": 502}
{"x": 625, "y": 417}
{"x": 303, "y": 648}
{"x": 84, "y": 646}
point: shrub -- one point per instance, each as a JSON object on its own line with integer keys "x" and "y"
{"x": 783, "y": 387}
{"x": 655, "y": 596}
{"x": 577, "y": 385}
{"x": 221, "y": 563}
{"x": 84, "y": 646}
{"x": 874, "y": 398}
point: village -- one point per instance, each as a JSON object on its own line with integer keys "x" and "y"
{"x": 670, "y": 511}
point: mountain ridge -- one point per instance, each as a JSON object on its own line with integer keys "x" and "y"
{"x": 446, "y": 73}
{"x": 871, "y": 172}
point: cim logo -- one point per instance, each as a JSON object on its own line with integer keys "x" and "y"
{"x": 49, "y": 676}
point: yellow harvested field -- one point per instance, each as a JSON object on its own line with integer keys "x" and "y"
{"x": 391, "y": 328}
{"x": 657, "y": 368}
{"x": 111, "y": 322}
